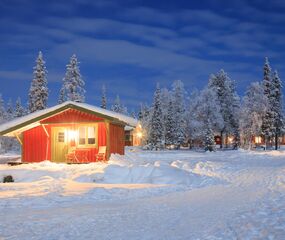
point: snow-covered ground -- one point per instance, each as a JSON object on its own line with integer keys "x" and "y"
{"x": 147, "y": 195}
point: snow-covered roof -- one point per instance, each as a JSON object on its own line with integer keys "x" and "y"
{"x": 32, "y": 120}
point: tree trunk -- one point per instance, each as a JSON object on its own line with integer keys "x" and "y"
{"x": 221, "y": 143}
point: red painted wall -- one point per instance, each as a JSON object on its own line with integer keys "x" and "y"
{"x": 35, "y": 143}
{"x": 117, "y": 139}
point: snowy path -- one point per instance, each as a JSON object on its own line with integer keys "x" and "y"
{"x": 247, "y": 203}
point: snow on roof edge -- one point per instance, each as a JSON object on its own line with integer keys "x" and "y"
{"x": 18, "y": 121}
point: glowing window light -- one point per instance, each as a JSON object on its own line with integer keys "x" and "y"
{"x": 257, "y": 139}
{"x": 72, "y": 135}
{"x": 139, "y": 134}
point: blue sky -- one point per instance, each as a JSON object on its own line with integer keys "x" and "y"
{"x": 131, "y": 45}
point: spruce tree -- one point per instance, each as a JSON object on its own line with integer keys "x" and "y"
{"x": 165, "y": 96}
{"x": 178, "y": 93}
{"x": 268, "y": 120}
{"x": 104, "y": 98}
{"x": 73, "y": 85}
{"x": 10, "y": 110}
{"x": 277, "y": 107}
{"x": 156, "y": 124}
{"x": 19, "y": 109}
{"x": 38, "y": 94}
{"x": 170, "y": 125}
{"x": 2, "y": 110}
{"x": 118, "y": 106}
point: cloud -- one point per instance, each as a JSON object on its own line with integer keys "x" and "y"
{"x": 18, "y": 75}
{"x": 131, "y": 46}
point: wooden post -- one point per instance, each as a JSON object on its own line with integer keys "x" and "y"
{"x": 18, "y": 138}
{"x": 107, "y": 125}
{"x": 47, "y": 146}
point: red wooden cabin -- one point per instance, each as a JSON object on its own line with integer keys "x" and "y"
{"x": 69, "y": 132}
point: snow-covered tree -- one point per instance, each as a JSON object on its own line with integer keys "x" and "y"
{"x": 178, "y": 94}
{"x": 170, "y": 134}
{"x": 156, "y": 123}
{"x": 228, "y": 99}
{"x": 209, "y": 138}
{"x": 19, "y": 109}
{"x": 144, "y": 118}
{"x": 104, "y": 98}
{"x": 118, "y": 106}
{"x": 38, "y": 94}
{"x": 277, "y": 107}
{"x": 164, "y": 97}
{"x": 208, "y": 113}
{"x": 192, "y": 121}
{"x": 253, "y": 110}
{"x": 268, "y": 120}
{"x": 9, "y": 110}
{"x": 73, "y": 85}
{"x": 2, "y": 110}
{"x": 234, "y": 114}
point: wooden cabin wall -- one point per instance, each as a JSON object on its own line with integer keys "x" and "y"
{"x": 117, "y": 139}
{"x": 35, "y": 143}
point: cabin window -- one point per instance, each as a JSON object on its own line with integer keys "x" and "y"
{"x": 128, "y": 137}
{"x": 87, "y": 135}
{"x": 91, "y": 135}
{"x": 60, "y": 137}
{"x": 82, "y": 136}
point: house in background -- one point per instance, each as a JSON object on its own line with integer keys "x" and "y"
{"x": 69, "y": 132}
{"x": 133, "y": 135}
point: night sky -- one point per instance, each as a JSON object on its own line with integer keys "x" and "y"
{"x": 131, "y": 45}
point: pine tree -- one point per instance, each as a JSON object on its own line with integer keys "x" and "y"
{"x": 178, "y": 93}
{"x": 277, "y": 107}
{"x": 170, "y": 125}
{"x": 165, "y": 96}
{"x": 38, "y": 94}
{"x": 268, "y": 120}
{"x": 104, "y": 98}
{"x": 234, "y": 114}
{"x": 2, "y": 110}
{"x": 156, "y": 124}
{"x": 73, "y": 85}
{"x": 118, "y": 106}
{"x": 19, "y": 109}
{"x": 10, "y": 110}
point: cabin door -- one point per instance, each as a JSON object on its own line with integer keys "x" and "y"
{"x": 59, "y": 146}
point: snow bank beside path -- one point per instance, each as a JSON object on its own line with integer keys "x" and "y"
{"x": 121, "y": 172}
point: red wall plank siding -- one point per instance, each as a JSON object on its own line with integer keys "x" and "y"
{"x": 117, "y": 139}
{"x": 102, "y": 134}
{"x": 35, "y": 142}
{"x": 72, "y": 115}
